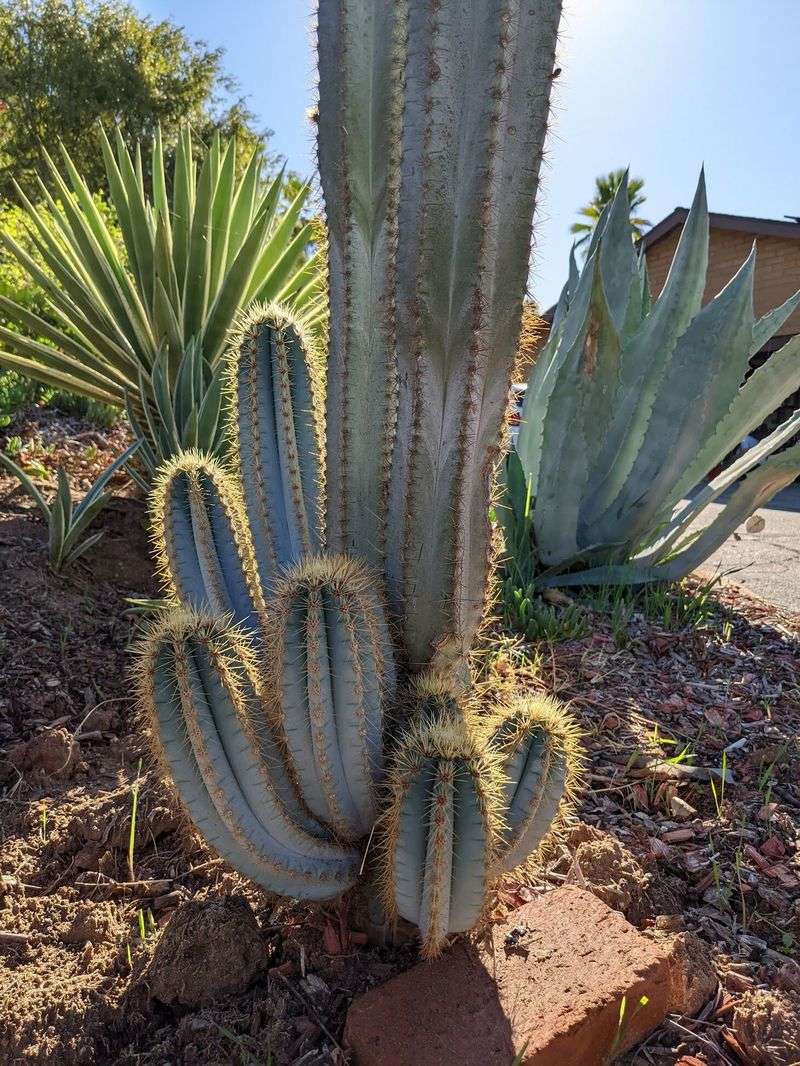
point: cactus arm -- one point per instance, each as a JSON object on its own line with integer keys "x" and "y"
{"x": 276, "y": 436}
{"x": 542, "y": 769}
{"x": 201, "y": 540}
{"x": 183, "y": 718}
{"x": 434, "y": 915}
{"x": 458, "y": 323}
{"x": 361, "y": 52}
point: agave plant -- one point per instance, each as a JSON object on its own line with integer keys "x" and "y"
{"x": 145, "y": 325}
{"x": 630, "y": 404}
{"x": 311, "y": 692}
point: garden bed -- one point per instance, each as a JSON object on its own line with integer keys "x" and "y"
{"x": 668, "y": 714}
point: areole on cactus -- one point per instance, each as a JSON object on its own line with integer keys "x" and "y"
{"x": 333, "y": 573}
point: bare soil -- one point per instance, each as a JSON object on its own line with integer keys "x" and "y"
{"x": 92, "y": 970}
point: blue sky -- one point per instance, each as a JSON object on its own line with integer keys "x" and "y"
{"x": 662, "y": 85}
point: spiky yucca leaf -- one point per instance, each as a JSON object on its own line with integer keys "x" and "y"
{"x": 193, "y": 256}
{"x": 331, "y": 674}
{"x": 629, "y": 405}
{"x": 206, "y": 718}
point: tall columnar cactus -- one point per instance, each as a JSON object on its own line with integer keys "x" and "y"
{"x": 630, "y": 405}
{"x": 294, "y": 750}
{"x": 431, "y": 123}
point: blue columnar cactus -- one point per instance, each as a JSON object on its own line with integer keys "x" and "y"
{"x": 345, "y": 545}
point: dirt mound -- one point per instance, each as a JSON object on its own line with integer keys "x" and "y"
{"x": 210, "y": 949}
{"x": 53, "y": 752}
{"x": 767, "y": 1027}
{"x": 606, "y": 868}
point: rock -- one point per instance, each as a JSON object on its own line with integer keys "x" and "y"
{"x": 680, "y": 808}
{"x": 755, "y": 523}
{"x": 550, "y": 980}
{"x": 209, "y": 949}
{"x": 767, "y": 1027}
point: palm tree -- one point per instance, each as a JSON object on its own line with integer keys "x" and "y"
{"x": 605, "y": 187}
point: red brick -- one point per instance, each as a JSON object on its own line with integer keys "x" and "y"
{"x": 550, "y": 979}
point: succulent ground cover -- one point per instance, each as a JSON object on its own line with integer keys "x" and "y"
{"x": 92, "y": 969}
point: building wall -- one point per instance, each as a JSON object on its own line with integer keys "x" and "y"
{"x": 777, "y": 268}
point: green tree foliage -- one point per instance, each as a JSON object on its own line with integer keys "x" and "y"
{"x": 66, "y": 63}
{"x": 605, "y": 185}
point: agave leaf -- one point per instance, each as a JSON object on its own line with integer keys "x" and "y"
{"x": 769, "y": 324}
{"x": 27, "y": 484}
{"x": 765, "y": 389}
{"x": 707, "y": 365}
{"x": 645, "y": 357}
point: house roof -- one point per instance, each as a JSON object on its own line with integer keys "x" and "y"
{"x": 759, "y": 227}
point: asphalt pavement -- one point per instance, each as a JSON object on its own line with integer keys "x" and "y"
{"x": 768, "y": 562}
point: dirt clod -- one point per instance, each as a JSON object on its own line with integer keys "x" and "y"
{"x": 53, "y": 752}
{"x": 211, "y": 948}
{"x": 767, "y": 1026}
{"x": 606, "y": 868}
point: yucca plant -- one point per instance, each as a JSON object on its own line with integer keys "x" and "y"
{"x": 630, "y": 405}
{"x": 144, "y": 325}
{"x": 312, "y": 693}
{"x": 67, "y": 524}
